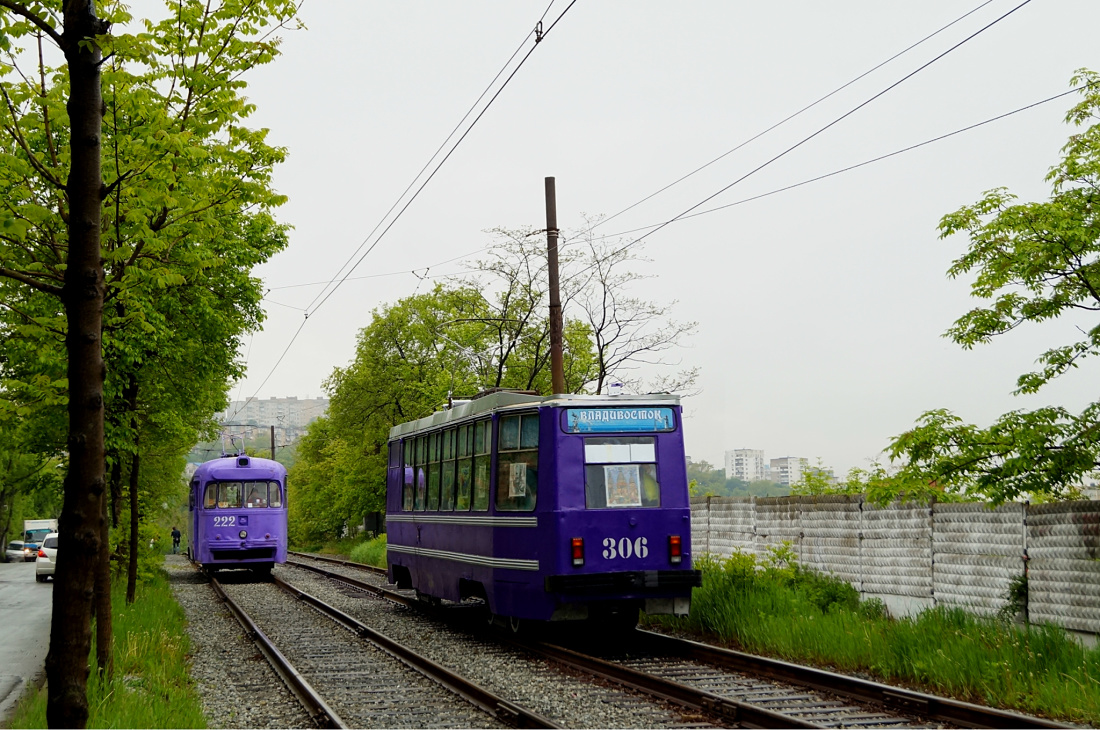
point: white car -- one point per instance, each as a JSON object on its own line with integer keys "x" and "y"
{"x": 15, "y": 552}
{"x": 47, "y": 558}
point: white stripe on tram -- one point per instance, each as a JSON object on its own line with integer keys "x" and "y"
{"x": 472, "y": 521}
{"x": 509, "y": 563}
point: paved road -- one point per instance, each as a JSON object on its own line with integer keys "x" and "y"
{"x": 25, "y": 609}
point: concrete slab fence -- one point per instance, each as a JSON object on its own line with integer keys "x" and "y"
{"x": 964, "y": 555}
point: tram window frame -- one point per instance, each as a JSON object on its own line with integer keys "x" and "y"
{"x": 242, "y": 486}
{"x": 447, "y": 475}
{"x": 273, "y": 488}
{"x": 420, "y": 472}
{"x": 465, "y": 463}
{"x": 482, "y": 476}
{"x": 432, "y": 504}
{"x": 607, "y": 455}
{"x": 407, "y": 474}
{"x": 518, "y": 447}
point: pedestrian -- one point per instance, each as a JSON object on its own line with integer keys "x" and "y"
{"x": 175, "y": 539}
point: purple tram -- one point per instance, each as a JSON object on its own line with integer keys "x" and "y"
{"x": 546, "y": 508}
{"x": 238, "y": 514}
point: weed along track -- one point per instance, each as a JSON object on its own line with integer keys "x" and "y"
{"x": 712, "y": 686}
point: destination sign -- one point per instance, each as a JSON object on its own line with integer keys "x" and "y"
{"x": 618, "y": 420}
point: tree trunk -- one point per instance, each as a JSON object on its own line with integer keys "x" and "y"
{"x": 80, "y": 540}
{"x": 116, "y": 488}
{"x": 131, "y": 575}
{"x": 130, "y": 397}
{"x": 104, "y": 635}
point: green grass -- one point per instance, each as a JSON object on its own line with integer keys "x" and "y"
{"x": 779, "y": 609}
{"x": 151, "y": 686}
{"x": 370, "y": 552}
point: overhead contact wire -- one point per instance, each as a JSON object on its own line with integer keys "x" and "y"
{"x": 538, "y": 39}
{"x": 792, "y": 116}
{"x": 858, "y": 165}
{"x": 831, "y": 124}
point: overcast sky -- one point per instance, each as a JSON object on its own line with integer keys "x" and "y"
{"x": 820, "y": 310}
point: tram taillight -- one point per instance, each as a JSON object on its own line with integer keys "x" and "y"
{"x": 577, "y": 549}
{"x": 675, "y": 549}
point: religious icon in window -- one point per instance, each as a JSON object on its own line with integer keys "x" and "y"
{"x": 517, "y": 479}
{"x": 623, "y": 485}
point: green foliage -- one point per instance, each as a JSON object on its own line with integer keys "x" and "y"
{"x": 773, "y": 607}
{"x": 371, "y": 552}
{"x": 409, "y": 360}
{"x": 1030, "y": 263}
{"x": 707, "y": 481}
{"x": 188, "y": 212}
{"x": 1015, "y": 599}
{"x": 879, "y": 485}
{"x": 152, "y": 685}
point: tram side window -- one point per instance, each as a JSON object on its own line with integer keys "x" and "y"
{"x": 433, "y": 472}
{"x": 421, "y": 471}
{"x": 517, "y": 462}
{"x": 464, "y": 479}
{"x": 483, "y": 431}
{"x": 621, "y": 472}
{"x": 274, "y": 495}
{"x": 407, "y": 447}
{"x": 210, "y": 501}
{"x": 447, "y": 480}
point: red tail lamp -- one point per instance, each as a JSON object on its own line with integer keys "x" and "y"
{"x": 577, "y": 550}
{"x": 42, "y": 553}
{"x": 675, "y": 549}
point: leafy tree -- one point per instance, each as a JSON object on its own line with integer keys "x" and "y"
{"x": 1031, "y": 263}
{"x": 411, "y": 359}
{"x": 142, "y": 269}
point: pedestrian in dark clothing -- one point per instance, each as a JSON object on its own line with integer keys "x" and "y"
{"x": 175, "y": 540}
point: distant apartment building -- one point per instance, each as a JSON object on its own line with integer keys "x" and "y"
{"x": 292, "y": 414}
{"x": 787, "y": 470}
{"x": 748, "y": 465}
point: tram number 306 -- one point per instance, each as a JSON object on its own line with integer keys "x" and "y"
{"x": 624, "y": 547}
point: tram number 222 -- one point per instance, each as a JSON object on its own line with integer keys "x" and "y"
{"x": 625, "y": 548}
{"x": 225, "y": 521}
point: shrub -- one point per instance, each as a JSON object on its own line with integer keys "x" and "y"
{"x": 371, "y": 552}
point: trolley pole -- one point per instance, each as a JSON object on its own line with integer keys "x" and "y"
{"x": 273, "y": 443}
{"x": 557, "y": 365}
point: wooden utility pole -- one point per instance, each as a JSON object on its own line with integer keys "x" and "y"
{"x": 557, "y": 365}
{"x": 273, "y": 443}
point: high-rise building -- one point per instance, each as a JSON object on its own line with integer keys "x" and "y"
{"x": 787, "y": 470}
{"x": 745, "y": 464}
{"x": 291, "y": 413}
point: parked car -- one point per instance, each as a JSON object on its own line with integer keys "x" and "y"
{"x": 47, "y": 558}
{"x": 14, "y": 552}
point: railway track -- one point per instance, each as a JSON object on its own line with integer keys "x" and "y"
{"x": 367, "y": 679}
{"x": 742, "y": 688}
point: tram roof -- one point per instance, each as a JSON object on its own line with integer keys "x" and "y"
{"x": 513, "y": 401}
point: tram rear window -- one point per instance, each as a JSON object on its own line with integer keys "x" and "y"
{"x": 621, "y": 472}
{"x": 251, "y": 494}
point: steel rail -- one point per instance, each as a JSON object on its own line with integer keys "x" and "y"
{"x": 498, "y": 707}
{"x": 680, "y": 694}
{"x": 898, "y": 699}
{"x": 322, "y": 715}
{"x": 361, "y": 566}
{"x": 942, "y": 709}
{"x": 743, "y": 713}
